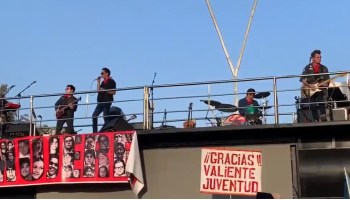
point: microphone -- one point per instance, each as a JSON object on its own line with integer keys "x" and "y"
{"x": 98, "y": 78}
{"x": 12, "y": 86}
{"x": 41, "y": 119}
{"x": 34, "y": 82}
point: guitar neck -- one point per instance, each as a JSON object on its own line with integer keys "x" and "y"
{"x": 331, "y": 79}
{"x": 190, "y": 112}
{"x": 73, "y": 102}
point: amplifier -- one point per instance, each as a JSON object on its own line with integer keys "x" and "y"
{"x": 16, "y": 130}
{"x": 340, "y": 114}
{"x": 137, "y": 125}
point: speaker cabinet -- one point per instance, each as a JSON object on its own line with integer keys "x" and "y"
{"x": 340, "y": 114}
{"x": 16, "y": 130}
{"x": 117, "y": 124}
{"x": 137, "y": 125}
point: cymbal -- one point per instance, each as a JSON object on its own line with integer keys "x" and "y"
{"x": 264, "y": 107}
{"x": 262, "y": 95}
{"x": 226, "y": 107}
{"x": 212, "y": 102}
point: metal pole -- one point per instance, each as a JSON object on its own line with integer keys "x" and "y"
{"x": 221, "y": 41}
{"x": 31, "y": 116}
{"x": 347, "y": 88}
{"x": 243, "y": 47}
{"x": 145, "y": 108}
{"x": 275, "y": 100}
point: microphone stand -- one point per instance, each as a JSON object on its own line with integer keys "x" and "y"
{"x": 19, "y": 99}
{"x": 164, "y": 120}
{"x": 8, "y": 90}
{"x": 41, "y": 119}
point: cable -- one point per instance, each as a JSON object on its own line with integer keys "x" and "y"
{"x": 296, "y": 192}
{"x": 92, "y": 94}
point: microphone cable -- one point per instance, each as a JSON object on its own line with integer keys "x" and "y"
{"x": 87, "y": 98}
{"x": 92, "y": 94}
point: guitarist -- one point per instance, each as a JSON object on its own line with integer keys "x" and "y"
{"x": 315, "y": 67}
{"x": 67, "y": 103}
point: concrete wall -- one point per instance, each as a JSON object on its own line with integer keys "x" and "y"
{"x": 175, "y": 173}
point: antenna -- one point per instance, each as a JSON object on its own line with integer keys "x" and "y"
{"x": 221, "y": 38}
{"x": 243, "y": 47}
{"x": 233, "y": 70}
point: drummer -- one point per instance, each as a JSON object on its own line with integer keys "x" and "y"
{"x": 247, "y": 101}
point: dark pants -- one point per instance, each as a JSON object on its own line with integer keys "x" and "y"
{"x": 321, "y": 98}
{"x": 101, "y": 107}
{"x": 69, "y": 121}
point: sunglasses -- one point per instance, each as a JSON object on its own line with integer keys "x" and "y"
{"x": 102, "y": 73}
{"x": 54, "y": 164}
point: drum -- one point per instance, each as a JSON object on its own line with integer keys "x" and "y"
{"x": 12, "y": 106}
{"x": 252, "y": 115}
{"x": 250, "y": 110}
{"x": 234, "y": 120}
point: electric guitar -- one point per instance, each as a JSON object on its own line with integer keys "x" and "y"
{"x": 190, "y": 123}
{"x": 62, "y": 109}
{"x": 308, "y": 91}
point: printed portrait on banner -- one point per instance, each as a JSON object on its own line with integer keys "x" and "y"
{"x": 65, "y": 159}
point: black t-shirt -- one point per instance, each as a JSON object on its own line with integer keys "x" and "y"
{"x": 104, "y": 96}
{"x": 65, "y": 100}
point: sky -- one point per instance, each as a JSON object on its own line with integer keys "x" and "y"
{"x": 56, "y": 43}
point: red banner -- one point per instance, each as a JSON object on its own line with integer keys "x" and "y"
{"x": 83, "y": 158}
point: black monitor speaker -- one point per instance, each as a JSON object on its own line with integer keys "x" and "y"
{"x": 16, "y": 130}
{"x": 116, "y": 124}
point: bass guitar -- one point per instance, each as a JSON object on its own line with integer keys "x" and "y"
{"x": 309, "y": 91}
{"x": 62, "y": 109}
{"x": 190, "y": 123}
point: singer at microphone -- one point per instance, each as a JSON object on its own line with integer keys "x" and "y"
{"x": 104, "y": 98}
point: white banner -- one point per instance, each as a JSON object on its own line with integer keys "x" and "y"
{"x": 230, "y": 171}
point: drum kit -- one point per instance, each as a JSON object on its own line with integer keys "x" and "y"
{"x": 254, "y": 114}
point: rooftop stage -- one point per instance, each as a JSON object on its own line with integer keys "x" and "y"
{"x": 243, "y": 135}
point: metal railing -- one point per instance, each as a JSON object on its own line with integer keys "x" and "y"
{"x": 170, "y": 105}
